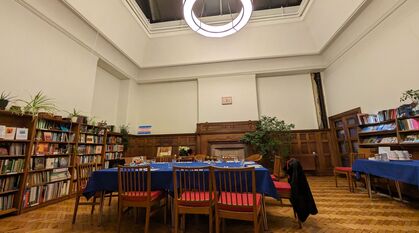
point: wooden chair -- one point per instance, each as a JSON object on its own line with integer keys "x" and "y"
{"x": 165, "y": 159}
{"x": 277, "y": 168}
{"x": 84, "y": 171}
{"x": 347, "y": 171}
{"x": 200, "y": 157}
{"x": 254, "y": 158}
{"x": 236, "y": 197}
{"x": 134, "y": 189}
{"x": 192, "y": 193}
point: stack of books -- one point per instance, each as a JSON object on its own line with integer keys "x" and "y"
{"x": 377, "y": 140}
{"x": 9, "y": 183}
{"x": 378, "y": 128}
{"x": 6, "y": 201}
{"x": 52, "y": 125}
{"x": 409, "y": 124}
{"x": 39, "y": 194}
{"x": 11, "y": 165}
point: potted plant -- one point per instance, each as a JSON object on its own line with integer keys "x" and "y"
{"x": 5, "y": 99}
{"x": 124, "y": 130}
{"x": 39, "y": 104}
{"x": 411, "y": 108}
{"x": 271, "y": 137}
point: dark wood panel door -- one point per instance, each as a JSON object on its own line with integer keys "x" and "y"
{"x": 344, "y": 129}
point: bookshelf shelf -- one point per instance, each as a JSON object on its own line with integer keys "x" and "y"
{"x": 374, "y": 133}
{"x": 49, "y": 182}
{"x": 48, "y": 169}
{"x": 46, "y": 203}
{"x": 407, "y": 117}
{"x": 379, "y": 144}
{"x": 9, "y": 191}
{"x": 54, "y": 130}
{"x": 11, "y": 174}
{"x": 409, "y": 131}
{"x": 52, "y": 155}
{"x": 56, "y": 142}
{"x": 11, "y": 156}
{"x": 14, "y": 140}
{"x": 8, "y": 211}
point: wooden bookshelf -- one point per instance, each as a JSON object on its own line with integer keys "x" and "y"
{"x": 90, "y": 144}
{"x": 114, "y": 150}
{"x": 14, "y": 150}
{"x": 398, "y": 132}
{"x": 52, "y": 152}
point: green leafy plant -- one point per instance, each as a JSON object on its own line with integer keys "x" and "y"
{"x": 271, "y": 137}
{"x": 124, "y": 130}
{"x": 38, "y": 103}
{"x": 5, "y": 99}
{"x": 412, "y": 95}
{"x": 74, "y": 113}
{"x": 183, "y": 151}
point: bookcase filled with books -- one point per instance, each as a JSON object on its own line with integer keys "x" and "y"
{"x": 48, "y": 179}
{"x": 388, "y": 128}
{"x": 114, "y": 150}
{"x": 90, "y": 147}
{"x": 15, "y": 143}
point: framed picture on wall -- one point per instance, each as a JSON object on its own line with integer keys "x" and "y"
{"x": 164, "y": 151}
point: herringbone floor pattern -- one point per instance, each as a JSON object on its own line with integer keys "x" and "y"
{"x": 339, "y": 211}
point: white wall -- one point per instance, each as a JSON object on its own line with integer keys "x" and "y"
{"x": 168, "y": 107}
{"x": 241, "y": 88}
{"x": 290, "y": 98}
{"x": 106, "y": 97}
{"x": 35, "y": 56}
{"x": 375, "y": 72}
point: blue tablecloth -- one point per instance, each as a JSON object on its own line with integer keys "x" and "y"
{"x": 162, "y": 178}
{"x": 403, "y": 171}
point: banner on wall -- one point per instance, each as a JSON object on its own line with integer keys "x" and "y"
{"x": 144, "y": 129}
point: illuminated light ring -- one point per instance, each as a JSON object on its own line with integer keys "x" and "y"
{"x": 217, "y": 31}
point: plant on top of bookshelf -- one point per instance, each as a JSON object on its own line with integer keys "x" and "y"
{"x": 38, "y": 103}
{"x": 412, "y": 95}
{"x": 271, "y": 137}
{"x": 5, "y": 99}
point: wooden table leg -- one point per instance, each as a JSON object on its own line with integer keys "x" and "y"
{"x": 102, "y": 197}
{"x": 369, "y": 185}
{"x": 398, "y": 190}
{"x": 265, "y": 219}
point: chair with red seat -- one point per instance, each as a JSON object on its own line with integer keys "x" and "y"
{"x": 134, "y": 189}
{"x": 84, "y": 171}
{"x": 347, "y": 171}
{"x": 236, "y": 197}
{"x": 192, "y": 193}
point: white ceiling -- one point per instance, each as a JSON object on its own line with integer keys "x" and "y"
{"x": 301, "y": 35}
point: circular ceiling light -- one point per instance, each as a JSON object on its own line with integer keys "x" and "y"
{"x": 217, "y": 31}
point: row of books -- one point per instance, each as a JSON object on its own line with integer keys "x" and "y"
{"x": 91, "y": 129}
{"x": 379, "y": 139}
{"x": 11, "y": 165}
{"x": 41, "y": 178}
{"x": 89, "y": 159}
{"x": 52, "y": 149}
{"x": 414, "y": 138}
{"x": 113, "y": 155}
{"x": 409, "y": 124}
{"x": 52, "y": 125}
{"x": 9, "y": 183}
{"x": 381, "y": 116}
{"x": 54, "y": 137}
{"x": 39, "y": 194}
{"x": 377, "y": 128}
{"x": 85, "y": 138}
{"x": 13, "y": 133}
{"x": 39, "y": 163}
{"x": 84, "y": 149}
{"x": 112, "y": 148}
{"x": 114, "y": 140}
{"x": 13, "y": 149}
{"x": 6, "y": 201}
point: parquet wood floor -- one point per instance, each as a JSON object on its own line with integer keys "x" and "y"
{"x": 339, "y": 211}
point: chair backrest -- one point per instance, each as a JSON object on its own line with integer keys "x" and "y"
{"x": 277, "y": 166}
{"x": 134, "y": 182}
{"x": 235, "y": 187}
{"x": 84, "y": 171}
{"x": 254, "y": 158}
{"x": 200, "y": 157}
{"x": 192, "y": 184}
{"x": 165, "y": 159}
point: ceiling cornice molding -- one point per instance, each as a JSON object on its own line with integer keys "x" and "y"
{"x": 259, "y": 18}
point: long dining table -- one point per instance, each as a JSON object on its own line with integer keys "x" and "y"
{"x": 106, "y": 180}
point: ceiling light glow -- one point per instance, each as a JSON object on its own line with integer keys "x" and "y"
{"x": 217, "y": 31}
